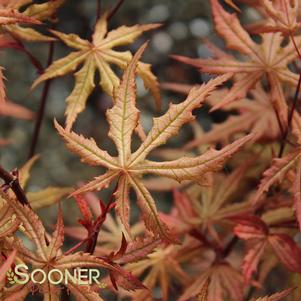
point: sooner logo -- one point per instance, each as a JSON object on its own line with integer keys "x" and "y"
{"x": 80, "y": 276}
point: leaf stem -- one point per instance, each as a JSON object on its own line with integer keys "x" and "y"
{"x": 41, "y": 112}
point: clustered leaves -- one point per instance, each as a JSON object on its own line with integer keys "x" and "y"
{"x": 235, "y": 216}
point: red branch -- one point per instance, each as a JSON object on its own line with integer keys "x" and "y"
{"x": 11, "y": 180}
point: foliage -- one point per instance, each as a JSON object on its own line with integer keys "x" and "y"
{"x": 235, "y": 216}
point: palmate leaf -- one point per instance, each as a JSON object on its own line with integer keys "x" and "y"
{"x": 210, "y": 207}
{"x": 38, "y": 12}
{"x": 192, "y": 169}
{"x": 254, "y": 229}
{"x": 277, "y": 173}
{"x": 224, "y": 280}
{"x": 43, "y": 197}
{"x": 47, "y": 197}
{"x": 11, "y": 109}
{"x": 204, "y": 292}
{"x": 10, "y": 16}
{"x": 277, "y": 296}
{"x": 255, "y": 115}
{"x": 8, "y": 220}
{"x": 162, "y": 267}
{"x": 111, "y": 232}
{"x": 269, "y": 58}
{"x": 7, "y": 107}
{"x": 274, "y": 174}
{"x": 139, "y": 249}
{"x": 97, "y": 56}
{"x": 128, "y": 167}
{"x": 279, "y": 16}
{"x": 48, "y": 253}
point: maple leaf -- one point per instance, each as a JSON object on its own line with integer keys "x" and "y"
{"x": 276, "y": 296}
{"x": 209, "y": 207}
{"x": 11, "y": 109}
{"x": 282, "y": 215}
{"x": 204, "y": 292}
{"x": 168, "y": 153}
{"x": 4, "y": 142}
{"x": 128, "y": 167}
{"x": 255, "y": 115}
{"x": 8, "y": 108}
{"x": 111, "y": 230}
{"x": 276, "y": 172}
{"x": 253, "y": 228}
{"x": 138, "y": 249}
{"x": 269, "y": 58}
{"x": 108, "y": 241}
{"x": 98, "y": 55}
{"x": 8, "y": 221}
{"x": 281, "y": 167}
{"x": 224, "y": 280}
{"x": 232, "y": 4}
{"x": 11, "y": 16}
{"x": 163, "y": 267}
{"x": 48, "y": 254}
{"x": 43, "y": 197}
{"x": 36, "y": 12}
{"x": 279, "y": 16}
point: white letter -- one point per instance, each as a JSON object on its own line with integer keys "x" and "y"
{"x": 19, "y": 273}
{"x": 82, "y": 276}
{"x": 35, "y": 272}
{"x": 94, "y": 277}
{"x": 68, "y": 276}
{"x": 55, "y": 271}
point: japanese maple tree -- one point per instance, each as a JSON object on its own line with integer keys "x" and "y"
{"x": 232, "y": 217}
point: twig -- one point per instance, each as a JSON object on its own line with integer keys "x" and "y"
{"x": 98, "y": 10}
{"x": 42, "y": 107}
{"x": 115, "y": 9}
{"x": 290, "y": 118}
{"x": 18, "y": 45}
{"x": 282, "y": 131}
{"x": 203, "y": 239}
{"x": 229, "y": 247}
{"x": 75, "y": 247}
{"x": 93, "y": 235}
{"x": 12, "y": 181}
{"x": 291, "y": 113}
